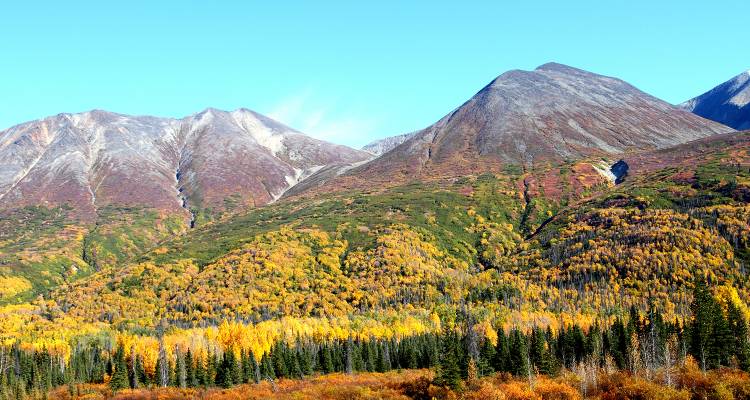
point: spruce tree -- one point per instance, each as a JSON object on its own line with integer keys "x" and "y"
{"x": 191, "y": 378}
{"x": 738, "y": 326}
{"x": 200, "y": 372}
{"x": 709, "y": 330}
{"x": 519, "y": 354}
{"x": 266, "y": 368}
{"x": 279, "y": 361}
{"x": 502, "y": 352}
{"x": 326, "y": 359}
{"x": 247, "y": 368}
{"x": 449, "y": 370}
{"x": 487, "y": 355}
{"x": 119, "y": 378}
{"x": 224, "y": 374}
{"x": 235, "y": 368}
{"x": 384, "y": 358}
{"x": 255, "y": 366}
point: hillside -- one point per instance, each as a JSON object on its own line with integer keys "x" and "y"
{"x": 485, "y": 259}
{"x": 561, "y": 233}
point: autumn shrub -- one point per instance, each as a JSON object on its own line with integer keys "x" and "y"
{"x": 518, "y": 391}
{"x": 715, "y": 385}
{"x": 486, "y": 391}
{"x": 441, "y": 393}
{"x": 623, "y": 386}
{"x": 738, "y": 383}
{"x": 417, "y": 389}
{"x": 552, "y": 390}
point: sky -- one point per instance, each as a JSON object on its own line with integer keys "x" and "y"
{"x": 346, "y": 71}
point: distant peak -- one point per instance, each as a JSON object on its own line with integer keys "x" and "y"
{"x": 211, "y": 110}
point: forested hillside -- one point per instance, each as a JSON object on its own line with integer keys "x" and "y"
{"x": 551, "y": 270}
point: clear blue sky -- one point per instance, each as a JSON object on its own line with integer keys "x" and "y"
{"x": 345, "y": 70}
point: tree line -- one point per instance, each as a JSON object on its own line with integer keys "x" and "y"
{"x": 714, "y": 335}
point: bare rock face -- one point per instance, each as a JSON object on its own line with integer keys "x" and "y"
{"x": 381, "y": 146}
{"x": 554, "y": 113}
{"x": 99, "y": 158}
{"x": 728, "y": 103}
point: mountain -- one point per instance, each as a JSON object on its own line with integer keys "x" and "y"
{"x": 553, "y": 114}
{"x": 210, "y": 161}
{"x": 728, "y": 103}
{"x": 381, "y": 146}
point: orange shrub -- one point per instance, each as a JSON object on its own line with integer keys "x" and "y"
{"x": 621, "y": 386}
{"x": 551, "y": 390}
{"x": 486, "y": 391}
{"x": 518, "y": 391}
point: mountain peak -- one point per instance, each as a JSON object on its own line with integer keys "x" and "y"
{"x": 557, "y": 67}
{"x": 552, "y": 114}
{"x": 727, "y": 103}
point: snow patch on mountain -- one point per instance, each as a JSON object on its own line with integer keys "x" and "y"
{"x": 605, "y": 169}
{"x": 265, "y": 136}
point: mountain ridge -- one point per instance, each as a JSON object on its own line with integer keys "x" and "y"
{"x": 98, "y": 157}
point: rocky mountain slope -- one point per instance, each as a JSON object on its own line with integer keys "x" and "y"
{"x": 526, "y": 118}
{"x": 728, "y": 103}
{"x": 213, "y": 160}
{"x": 381, "y": 146}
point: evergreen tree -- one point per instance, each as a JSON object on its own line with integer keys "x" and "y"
{"x": 519, "y": 354}
{"x": 738, "y": 326}
{"x": 224, "y": 372}
{"x": 200, "y": 372}
{"x": 279, "y": 361}
{"x": 369, "y": 355}
{"x": 326, "y": 359}
{"x": 710, "y": 336}
{"x": 266, "y": 368}
{"x": 190, "y": 373}
{"x": 410, "y": 358}
{"x": 487, "y": 355}
{"x": 119, "y": 378}
{"x": 384, "y": 360}
{"x": 235, "y": 368}
{"x": 502, "y": 352}
{"x": 449, "y": 371}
